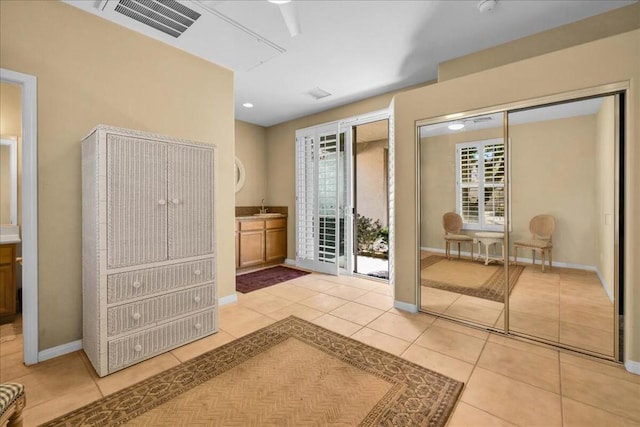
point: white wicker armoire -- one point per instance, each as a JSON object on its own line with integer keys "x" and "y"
{"x": 148, "y": 245}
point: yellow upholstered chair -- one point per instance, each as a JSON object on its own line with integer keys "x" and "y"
{"x": 452, "y": 223}
{"x": 541, "y": 228}
{"x": 12, "y": 402}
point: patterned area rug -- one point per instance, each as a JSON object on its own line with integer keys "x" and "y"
{"x": 290, "y": 373}
{"x": 267, "y": 277}
{"x": 467, "y": 277}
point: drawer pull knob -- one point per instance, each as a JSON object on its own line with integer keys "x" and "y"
{"x": 136, "y": 285}
{"x": 138, "y": 348}
{"x": 136, "y": 316}
{"x": 176, "y": 201}
{"x": 198, "y": 326}
{"x": 197, "y": 272}
{"x": 196, "y": 298}
{"x": 162, "y": 202}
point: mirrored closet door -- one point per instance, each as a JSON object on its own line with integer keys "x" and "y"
{"x": 563, "y": 214}
{"x": 462, "y": 217}
{"x": 519, "y": 221}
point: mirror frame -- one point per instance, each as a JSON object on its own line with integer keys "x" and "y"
{"x": 240, "y": 174}
{"x": 12, "y": 143}
{"x": 603, "y": 90}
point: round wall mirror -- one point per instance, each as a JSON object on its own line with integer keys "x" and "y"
{"x": 239, "y": 175}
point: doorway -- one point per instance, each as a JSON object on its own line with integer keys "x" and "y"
{"x": 371, "y": 199}
{"x": 27, "y": 208}
{"x": 342, "y": 196}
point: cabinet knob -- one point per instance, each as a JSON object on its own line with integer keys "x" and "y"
{"x": 136, "y": 285}
{"x": 197, "y": 272}
{"x": 162, "y": 202}
{"x": 175, "y": 201}
{"x": 138, "y": 348}
{"x": 198, "y": 326}
{"x": 136, "y": 316}
{"x": 196, "y": 298}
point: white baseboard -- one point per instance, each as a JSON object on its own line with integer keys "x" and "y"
{"x": 520, "y": 259}
{"x": 632, "y": 366}
{"x": 229, "y": 299}
{"x": 60, "y": 350}
{"x": 605, "y": 285}
{"x": 290, "y": 261}
{"x": 405, "y": 306}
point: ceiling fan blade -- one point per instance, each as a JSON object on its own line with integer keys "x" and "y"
{"x": 290, "y": 14}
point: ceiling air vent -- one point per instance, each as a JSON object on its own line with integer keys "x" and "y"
{"x": 168, "y": 16}
{"x": 318, "y": 93}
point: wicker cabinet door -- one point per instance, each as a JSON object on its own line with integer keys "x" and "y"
{"x": 190, "y": 197}
{"x": 136, "y": 201}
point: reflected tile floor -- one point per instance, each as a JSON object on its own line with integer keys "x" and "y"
{"x": 564, "y": 305}
{"x": 507, "y": 382}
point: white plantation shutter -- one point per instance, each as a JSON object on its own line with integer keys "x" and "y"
{"x": 317, "y": 190}
{"x": 305, "y": 197}
{"x": 480, "y": 198}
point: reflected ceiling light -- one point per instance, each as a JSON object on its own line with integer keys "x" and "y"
{"x": 247, "y": 105}
{"x": 456, "y": 126}
{"x": 279, "y": 1}
{"x": 486, "y": 5}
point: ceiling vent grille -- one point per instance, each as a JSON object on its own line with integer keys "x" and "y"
{"x": 168, "y": 16}
{"x": 318, "y": 93}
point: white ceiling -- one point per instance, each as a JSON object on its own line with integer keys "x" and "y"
{"x": 351, "y": 49}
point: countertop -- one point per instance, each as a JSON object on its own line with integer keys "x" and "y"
{"x": 267, "y": 216}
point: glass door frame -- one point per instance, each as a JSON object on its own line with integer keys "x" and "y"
{"x": 347, "y": 126}
{"x": 620, "y": 89}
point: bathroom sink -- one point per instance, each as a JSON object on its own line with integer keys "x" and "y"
{"x": 9, "y": 233}
{"x": 267, "y": 215}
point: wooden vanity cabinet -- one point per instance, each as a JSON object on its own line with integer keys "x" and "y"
{"x": 275, "y": 240}
{"x": 260, "y": 242}
{"x": 8, "y": 291}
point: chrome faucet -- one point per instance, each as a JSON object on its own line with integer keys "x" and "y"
{"x": 263, "y": 209}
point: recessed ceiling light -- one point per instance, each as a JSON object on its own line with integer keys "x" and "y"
{"x": 247, "y": 105}
{"x": 279, "y": 1}
{"x": 456, "y": 126}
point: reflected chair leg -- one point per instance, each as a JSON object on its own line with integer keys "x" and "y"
{"x": 458, "y": 249}
{"x": 542, "y": 259}
{"x": 471, "y": 251}
{"x": 515, "y": 260}
{"x": 550, "y": 259}
{"x": 533, "y": 256}
{"x": 446, "y": 249}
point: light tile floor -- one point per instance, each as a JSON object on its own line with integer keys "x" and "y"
{"x": 507, "y": 382}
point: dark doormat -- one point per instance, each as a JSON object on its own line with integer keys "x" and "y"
{"x": 263, "y": 278}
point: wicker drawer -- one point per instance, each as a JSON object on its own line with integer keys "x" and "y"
{"x": 136, "y": 347}
{"x": 138, "y": 283}
{"x": 147, "y": 312}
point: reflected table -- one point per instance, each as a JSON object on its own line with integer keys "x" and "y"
{"x": 487, "y": 239}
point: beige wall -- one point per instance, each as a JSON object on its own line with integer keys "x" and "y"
{"x": 10, "y": 126}
{"x": 371, "y": 181}
{"x": 593, "y": 28}
{"x": 92, "y": 71}
{"x": 605, "y": 190}
{"x": 610, "y": 60}
{"x": 553, "y": 165}
{"x": 251, "y": 149}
